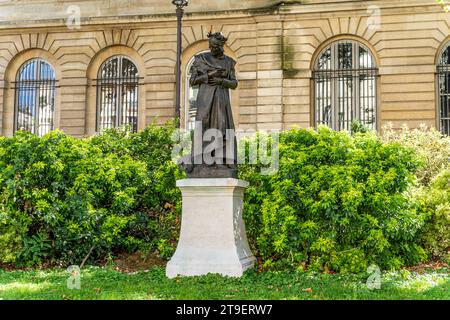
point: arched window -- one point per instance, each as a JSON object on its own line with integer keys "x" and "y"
{"x": 117, "y": 95}
{"x": 444, "y": 90}
{"x": 35, "y": 97}
{"x": 345, "y": 84}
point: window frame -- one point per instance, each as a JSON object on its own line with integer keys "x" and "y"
{"x": 118, "y": 83}
{"x": 35, "y": 84}
{"x": 334, "y": 73}
{"x": 443, "y": 70}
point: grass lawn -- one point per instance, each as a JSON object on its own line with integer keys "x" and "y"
{"x": 106, "y": 283}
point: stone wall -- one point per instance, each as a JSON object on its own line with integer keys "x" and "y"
{"x": 275, "y": 48}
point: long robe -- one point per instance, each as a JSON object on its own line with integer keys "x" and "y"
{"x": 213, "y": 101}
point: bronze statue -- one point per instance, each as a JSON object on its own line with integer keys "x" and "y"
{"x": 214, "y": 73}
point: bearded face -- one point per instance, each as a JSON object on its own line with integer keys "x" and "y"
{"x": 216, "y": 47}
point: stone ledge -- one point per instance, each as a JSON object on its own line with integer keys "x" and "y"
{"x": 212, "y": 182}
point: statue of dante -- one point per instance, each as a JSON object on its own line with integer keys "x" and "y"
{"x": 214, "y": 73}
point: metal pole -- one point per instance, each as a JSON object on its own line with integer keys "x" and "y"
{"x": 180, "y": 12}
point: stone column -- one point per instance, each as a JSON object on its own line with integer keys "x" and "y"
{"x": 213, "y": 237}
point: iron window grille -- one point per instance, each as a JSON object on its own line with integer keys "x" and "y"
{"x": 443, "y": 73}
{"x": 117, "y": 94}
{"x": 35, "y": 89}
{"x": 345, "y": 85}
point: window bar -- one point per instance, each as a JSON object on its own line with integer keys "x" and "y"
{"x": 26, "y": 106}
{"x": 316, "y": 98}
{"x": 444, "y": 91}
{"x": 41, "y": 91}
{"x": 320, "y": 110}
{"x": 48, "y": 100}
{"x": 126, "y": 113}
{"x": 350, "y": 103}
{"x": 28, "y": 125}
{"x": 109, "y": 101}
{"x": 25, "y": 98}
{"x": 109, "y": 104}
{"x": 446, "y": 116}
{"x": 441, "y": 99}
{"x": 335, "y": 100}
{"x": 445, "y": 100}
{"x": 322, "y": 99}
{"x": 41, "y": 87}
{"x": 107, "y": 98}
{"x": 362, "y": 85}
{"x": 131, "y": 96}
{"x": 135, "y": 97}
{"x": 319, "y": 102}
{"x": 135, "y": 104}
{"x": 110, "y": 120}
{"x": 445, "y": 104}
{"x": 363, "y": 80}
{"x": 102, "y": 97}
{"x": 326, "y": 109}
{"x": 321, "y": 106}
{"x": 36, "y": 102}
{"x": 119, "y": 91}
{"x": 358, "y": 83}
{"x": 20, "y": 103}
{"x": 119, "y": 87}
{"x": 43, "y": 104}
{"x": 124, "y": 97}
{"x": 130, "y": 105}
{"x": 370, "y": 99}
{"x": 123, "y": 105}
{"x": 368, "y": 106}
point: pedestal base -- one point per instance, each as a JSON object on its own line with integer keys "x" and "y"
{"x": 213, "y": 237}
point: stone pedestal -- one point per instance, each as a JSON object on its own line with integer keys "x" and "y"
{"x": 213, "y": 237}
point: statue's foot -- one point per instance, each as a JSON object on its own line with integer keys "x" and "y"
{"x": 217, "y": 171}
{"x": 231, "y": 166}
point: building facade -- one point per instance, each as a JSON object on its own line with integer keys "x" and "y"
{"x": 87, "y": 65}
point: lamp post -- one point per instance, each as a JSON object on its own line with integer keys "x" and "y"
{"x": 180, "y": 4}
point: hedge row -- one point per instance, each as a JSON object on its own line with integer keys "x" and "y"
{"x": 65, "y": 200}
{"x": 337, "y": 202}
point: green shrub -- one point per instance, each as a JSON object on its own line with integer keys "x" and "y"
{"x": 337, "y": 202}
{"x": 63, "y": 199}
{"x": 162, "y": 200}
{"x": 435, "y": 203}
{"x": 433, "y": 191}
{"x": 432, "y": 148}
